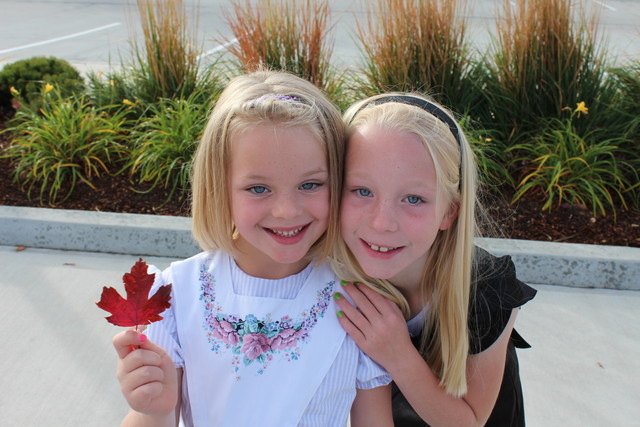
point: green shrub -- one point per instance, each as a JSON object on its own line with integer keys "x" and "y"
{"x": 565, "y": 167}
{"x": 117, "y": 91}
{"x": 628, "y": 102}
{"x": 28, "y": 76}
{"x": 67, "y": 142}
{"x": 165, "y": 142}
{"x": 489, "y": 154}
{"x": 628, "y": 106}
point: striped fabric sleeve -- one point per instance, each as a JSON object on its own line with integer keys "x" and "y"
{"x": 370, "y": 374}
{"x": 165, "y": 333}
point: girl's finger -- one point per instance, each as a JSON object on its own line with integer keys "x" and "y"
{"x": 355, "y": 316}
{"x": 143, "y": 375}
{"x": 361, "y": 300}
{"x": 146, "y": 392}
{"x": 127, "y": 341}
{"x": 350, "y": 328}
{"x": 382, "y": 304}
{"x": 140, "y": 357}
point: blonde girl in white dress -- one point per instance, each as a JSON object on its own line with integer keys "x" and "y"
{"x": 251, "y": 336}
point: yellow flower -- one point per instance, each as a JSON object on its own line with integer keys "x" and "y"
{"x": 48, "y": 88}
{"x": 488, "y": 139}
{"x": 111, "y": 82}
{"x": 14, "y": 91}
{"x": 581, "y": 108}
{"x": 127, "y": 102}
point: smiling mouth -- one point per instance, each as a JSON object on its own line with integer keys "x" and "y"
{"x": 381, "y": 249}
{"x": 287, "y": 233}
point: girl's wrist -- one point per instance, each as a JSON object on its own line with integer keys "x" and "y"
{"x": 156, "y": 420}
{"x": 401, "y": 365}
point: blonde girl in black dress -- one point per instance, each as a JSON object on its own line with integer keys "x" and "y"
{"x": 408, "y": 227}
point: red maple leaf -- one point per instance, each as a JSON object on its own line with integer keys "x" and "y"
{"x": 138, "y": 308}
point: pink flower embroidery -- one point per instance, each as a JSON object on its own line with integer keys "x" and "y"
{"x": 225, "y": 332}
{"x": 251, "y": 339}
{"x": 284, "y": 339}
{"x": 254, "y": 345}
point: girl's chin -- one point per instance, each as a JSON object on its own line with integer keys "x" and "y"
{"x": 377, "y": 273}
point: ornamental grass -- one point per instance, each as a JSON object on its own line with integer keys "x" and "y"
{"x": 548, "y": 54}
{"x": 286, "y": 35}
{"x": 168, "y": 58}
{"x": 417, "y": 45}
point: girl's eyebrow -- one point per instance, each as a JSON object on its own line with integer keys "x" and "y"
{"x": 421, "y": 185}
{"x": 316, "y": 172}
{"x": 311, "y": 173}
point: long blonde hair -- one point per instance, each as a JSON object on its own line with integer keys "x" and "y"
{"x": 446, "y": 278}
{"x": 249, "y": 100}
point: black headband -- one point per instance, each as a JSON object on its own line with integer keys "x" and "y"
{"x": 430, "y": 108}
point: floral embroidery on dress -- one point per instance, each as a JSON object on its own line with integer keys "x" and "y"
{"x": 253, "y": 340}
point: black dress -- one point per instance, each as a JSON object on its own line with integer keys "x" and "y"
{"x": 497, "y": 292}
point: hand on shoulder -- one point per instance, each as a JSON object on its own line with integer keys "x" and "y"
{"x": 375, "y": 323}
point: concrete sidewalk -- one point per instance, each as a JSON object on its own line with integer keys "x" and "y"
{"x": 58, "y": 366}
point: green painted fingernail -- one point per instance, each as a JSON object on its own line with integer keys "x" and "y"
{"x": 340, "y": 314}
{"x": 337, "y": 296}
{"x": 344, "y": 282}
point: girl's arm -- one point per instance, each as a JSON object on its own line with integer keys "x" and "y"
{"x": 149, "y": 381}
{"x": 379, "y": 329}
{"x": 372, "y": 407}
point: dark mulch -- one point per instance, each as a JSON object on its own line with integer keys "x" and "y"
{"x": 523, "y": 220}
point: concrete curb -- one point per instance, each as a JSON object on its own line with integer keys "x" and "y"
{"x": 135, "y": 234}
{"x": 566, "y": 264}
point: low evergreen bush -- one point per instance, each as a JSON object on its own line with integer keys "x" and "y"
{"x": 27, "y": 77}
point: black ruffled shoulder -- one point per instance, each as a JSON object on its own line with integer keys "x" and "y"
{"x": 496, "y": 292}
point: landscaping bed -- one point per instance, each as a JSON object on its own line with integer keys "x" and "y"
{"x": 524, "y": 220}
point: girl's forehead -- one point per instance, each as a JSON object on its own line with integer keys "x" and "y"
{"x": 288, "y": 141}
{"x": 239, "y": 127}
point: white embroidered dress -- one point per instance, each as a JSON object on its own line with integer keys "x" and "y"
{"x": 257, "y": 351}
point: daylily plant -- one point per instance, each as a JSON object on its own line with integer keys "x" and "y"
{"x": 581, "y": 108}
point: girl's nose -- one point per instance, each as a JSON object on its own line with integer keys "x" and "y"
{"x": 383, "y": 217}
{"x": 287, "y": 206}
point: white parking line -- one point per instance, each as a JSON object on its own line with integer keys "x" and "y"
{"x": 217, "y": 49}
{"x": 57, "y": 39}
{"x": 613, "y": 9}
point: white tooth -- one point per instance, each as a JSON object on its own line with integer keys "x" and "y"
{"x": 382, "y": 249}
{"x": 287, "y": 233}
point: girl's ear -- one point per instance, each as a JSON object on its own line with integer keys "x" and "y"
{"x": 450, "y": 217}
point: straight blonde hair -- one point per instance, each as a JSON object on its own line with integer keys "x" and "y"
{"x": 446, "y": 278}
{"x": 249, "y": 100}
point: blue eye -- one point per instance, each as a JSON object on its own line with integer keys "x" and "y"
{"x": 414, "y": 200}
{"x": 258, "y": 189}
{"x": 363, "y": 192}
{"x": 307, "y": 186}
